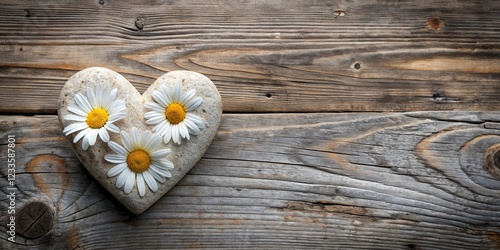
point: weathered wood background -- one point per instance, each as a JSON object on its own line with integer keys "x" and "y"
{"x": 304, "y": 157}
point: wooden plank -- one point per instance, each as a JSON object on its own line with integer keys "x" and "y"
{"x": 421, "y": 180}
{"x": 264, "y": 56}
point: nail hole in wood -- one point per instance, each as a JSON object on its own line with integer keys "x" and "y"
{"x": 101, "y": 2}
{"x": 34, "y": 220}
{"x": 435, "y": 23}
{"x": 27, "y": 13}
{"x": 268, "y": 95}
{"x": 357, "y": 66}
{"x": 339, "y": 13}
{"x": 438, "y": 98}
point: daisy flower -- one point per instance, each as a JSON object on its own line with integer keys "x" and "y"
{"x": 172, "y": 113}
{"x": 94, "y": 115}
{"x": 139, "y": 161}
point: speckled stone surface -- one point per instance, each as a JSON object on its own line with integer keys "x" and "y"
{"x": 183, "y": 156}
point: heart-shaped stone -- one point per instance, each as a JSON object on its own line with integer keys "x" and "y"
{"x": 183, "y": 156}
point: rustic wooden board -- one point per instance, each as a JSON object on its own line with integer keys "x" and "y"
{"x": 420, "y": 180}
{"x": 264, "y": 56}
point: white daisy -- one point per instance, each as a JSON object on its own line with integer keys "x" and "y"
{"x": 139, "y": 161}
{"x": 173, "y": 113}
{"x": 94, "y": 115}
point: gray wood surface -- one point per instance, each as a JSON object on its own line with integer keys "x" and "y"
{"x": 418, "y": 180}
{"x": 264, "y": 56}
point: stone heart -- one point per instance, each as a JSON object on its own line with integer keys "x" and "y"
{"x": 183, "y": 156}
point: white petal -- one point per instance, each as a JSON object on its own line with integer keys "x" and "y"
{"x": 127, "y": 143}
{"x": 91, "y": 97}
{"x": 77, "y": 126}
{"x": 154, "y": 114}
{"x": 166, "y": 94}
{"x": 159, "y": 98}
{"x": 93, "y": 136}
{"x": 161, "y": 172}
{"x": 101, "y": 94}
{"x": 183, "y": 131}
{"x": 117, "y": 169}
{"x": 129, "y": 183}
{"x": 75, "y": 118}
{"x": 150, "y": 180}
{"x": 177, "y": 92}
{"x": 155, "y": 120}
{"x": 83, "y": 103}
{"x": 104, "y": 96}
{"x": 117, "y": 148}
{"x": 122, "y": 178}
{"x": 116, "y": 106}
{"x": 103, "y": 133}
{"x": 192, "y": 127}
{"x": 156, "y": 176}
{"x": 175, "y": 133}
{"x": 163, "y": 164}
{"x": 160, "y": 153}
{"x": 168, "y": 134}
{"x": 116, "y": 116}
{"x": 187, "y": 96}
{"x": 196, "y": 119}
{"x": 145, "y": 138}
{"x": 193, "y": 104}
{"x": 140, "y": 184}
{"x": 112, "y": 128}
{"x": 152, "y": 143}
{"x": 85, "y": 141}
{"x": 81, "y": 134}
{"x": 108, "y": 96}
{"x": 135, "y": 137}
{"x": 154, "y": 106}
{"x": 114, "y": 158}
{"x": 112, "y": 93}
{"x": 111, "y": 97}
{"x": 78, "y": 111}
{"x": 161, "y": 128}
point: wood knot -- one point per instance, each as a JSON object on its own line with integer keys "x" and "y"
{"x": 492, "y": 161}
{"x": 34, "y": 220}
{"x": 47, "y": 170}
{"x": 435, "y": 23}
{"x": 139, "y": 23}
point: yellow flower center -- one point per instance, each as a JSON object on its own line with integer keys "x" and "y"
{"x": 175, "y": 113}
{"x": 97, "y": 118}
{"x": 138, "y": 161}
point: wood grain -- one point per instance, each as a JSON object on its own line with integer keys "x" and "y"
{"x": 414, "y": 180}
{"x": 264, "y": 56}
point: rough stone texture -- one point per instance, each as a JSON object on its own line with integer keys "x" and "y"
{"x": 183, "y": 156}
